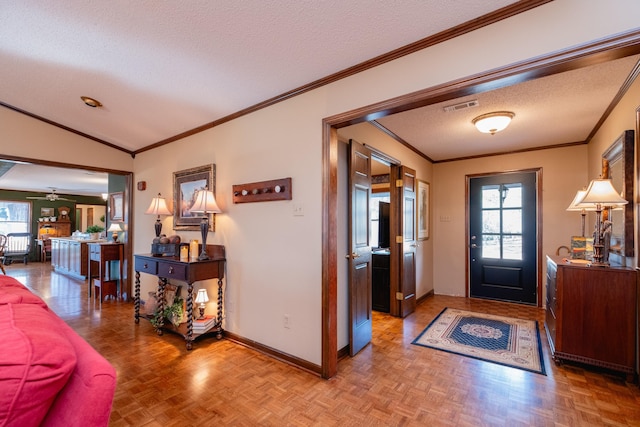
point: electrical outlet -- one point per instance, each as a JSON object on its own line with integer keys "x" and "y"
{"x": 286, "y": 321}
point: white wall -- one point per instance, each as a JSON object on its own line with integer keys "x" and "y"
{"x": 564, "y": 171}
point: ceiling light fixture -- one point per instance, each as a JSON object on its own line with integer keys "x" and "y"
{"x": 91, "y": 102}
{"x": 493, "y": 122}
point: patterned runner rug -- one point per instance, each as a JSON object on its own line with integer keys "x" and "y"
{"x": 503, "y": 340}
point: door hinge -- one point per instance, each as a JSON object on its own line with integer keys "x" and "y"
{"x": 399, "y": 183}
{"x": 399, "y": 239}
{"x": 399, "y": 296}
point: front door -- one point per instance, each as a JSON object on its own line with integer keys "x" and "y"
{"x": 503, "y": 260}
{"x": 360, "y": 268}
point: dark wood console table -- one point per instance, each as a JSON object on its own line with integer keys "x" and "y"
{"x": 185, "y": 271}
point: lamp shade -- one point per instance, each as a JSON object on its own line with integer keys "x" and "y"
{"x": 205, "y": 203}
{"x": 493, "y": 122}
{"x": 158, "y": 206}
{"x": 577, "y": 206}
{"x": 601, "y": 192}
{"x": 114, "y": 227}
{"x": 202, "y": 296}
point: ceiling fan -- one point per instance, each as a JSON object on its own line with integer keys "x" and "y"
{"x": 51, "y": 197}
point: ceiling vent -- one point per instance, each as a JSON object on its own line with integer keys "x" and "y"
{"x": 462, "y": 106}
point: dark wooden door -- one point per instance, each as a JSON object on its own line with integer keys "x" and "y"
{"x": 407, "y": 216}
{"x": 503, "y": 251}
{"x": 359, "y": 256}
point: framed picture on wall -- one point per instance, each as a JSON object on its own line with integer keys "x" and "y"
{"x": 186, "y": 184}
{"x": 46, "y": 211}
{"x": 116, "y": 207}
{"x": 423, "y": 210}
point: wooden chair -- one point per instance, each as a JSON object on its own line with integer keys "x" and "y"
{"x": 3, "y": 243}
{"x": 45, "y": 249}
{"x": 18, "y": 246}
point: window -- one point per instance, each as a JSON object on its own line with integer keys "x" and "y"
{"x": 502, "y": 221}
{"x": 15, "y": 217}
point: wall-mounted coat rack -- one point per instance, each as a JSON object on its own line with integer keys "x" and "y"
{"x": 264, "y": 191}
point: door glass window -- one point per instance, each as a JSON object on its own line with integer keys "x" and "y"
{"x": 502, "y": 221}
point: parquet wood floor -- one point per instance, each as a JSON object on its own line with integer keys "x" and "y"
{"x": 390, "y": 383}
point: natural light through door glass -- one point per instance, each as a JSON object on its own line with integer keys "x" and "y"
{"x": 502, "y": 221}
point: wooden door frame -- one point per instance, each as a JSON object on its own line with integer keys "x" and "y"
{"x": 615, "y": 47}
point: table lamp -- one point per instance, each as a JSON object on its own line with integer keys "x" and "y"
{"x": 601, "y": 193}
{"x": 115, "y": 229}
{"x": 202, "y": 298}
{"x": 206, "y": 204}
{"x": 573, "y": 206}
{"x": 158, "y": 207}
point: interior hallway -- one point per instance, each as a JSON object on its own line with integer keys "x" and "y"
{"x": 391, "y": 382}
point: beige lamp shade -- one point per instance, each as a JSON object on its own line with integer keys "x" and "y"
{"x": 601, "y": 192}
{"x": 158, "y": 206}
{"x": 573, "y": 206}
{"x": 202, "y": 296}
{"x": 205, "y": 203}
{"x": 114, "y": 227}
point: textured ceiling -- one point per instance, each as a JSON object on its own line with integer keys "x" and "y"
{"x": 558, "y": 109}
{"x": 161, "y": 68}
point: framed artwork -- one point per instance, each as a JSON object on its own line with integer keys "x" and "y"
{"x": 46, "y": 211}
{"x": 116, "y": 207}
{"x": 423, "y": 210}
{"x": 185, "y": 185}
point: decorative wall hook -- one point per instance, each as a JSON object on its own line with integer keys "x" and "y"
{"x": 263, "y": 191}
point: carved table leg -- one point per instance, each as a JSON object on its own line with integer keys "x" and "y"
{"x": 189, "y": 336}
{"x": 219, "y": 319}
{"x": 136, "y": 300}
{"x": 160, "y": 296}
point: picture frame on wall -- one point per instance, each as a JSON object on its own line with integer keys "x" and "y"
{"x": 423, "y": 216}
{"x": 186, "y": 184}
{"x": 116, "y": 207}
{"x": 46, "y": 211}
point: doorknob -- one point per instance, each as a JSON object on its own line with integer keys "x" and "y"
{"x": 474, "y": 246}
{"x": 352, "y": 256}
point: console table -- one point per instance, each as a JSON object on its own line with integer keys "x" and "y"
{"x": 189, "y": 272}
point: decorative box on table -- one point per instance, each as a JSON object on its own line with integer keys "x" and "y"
{"x": 165, "y": 249}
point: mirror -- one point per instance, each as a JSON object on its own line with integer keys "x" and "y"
{"x": 617, "y": 165}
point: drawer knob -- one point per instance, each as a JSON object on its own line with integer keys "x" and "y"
{"x": 145, "y": 265}
{"x": 170, "y": 269}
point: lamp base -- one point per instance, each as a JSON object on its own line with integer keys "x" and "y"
{"x": 598, "y": 257}
{"x": 158, "y": 226}
{"x": 201, "y": 311}
{"x": 204, "y": 230}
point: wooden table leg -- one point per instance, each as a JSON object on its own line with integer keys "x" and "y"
{"x": 189, "y": 336}
{"x": 219, "y": 319}
{"x": 136, "y": 300}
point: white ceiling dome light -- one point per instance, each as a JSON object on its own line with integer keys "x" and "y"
{"x": 493, "y": 122}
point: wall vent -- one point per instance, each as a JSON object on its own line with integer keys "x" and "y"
{"x": 462, "y": 106}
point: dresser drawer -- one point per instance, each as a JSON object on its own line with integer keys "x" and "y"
{"x": 146, "y": 266}
{"x": 173, "y": 271}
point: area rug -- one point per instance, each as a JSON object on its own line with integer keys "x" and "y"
{"x": 503, "y": 340}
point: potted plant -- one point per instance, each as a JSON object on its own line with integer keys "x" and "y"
{"x": 95, "y": 231}
{"x": 173, "y": 313}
